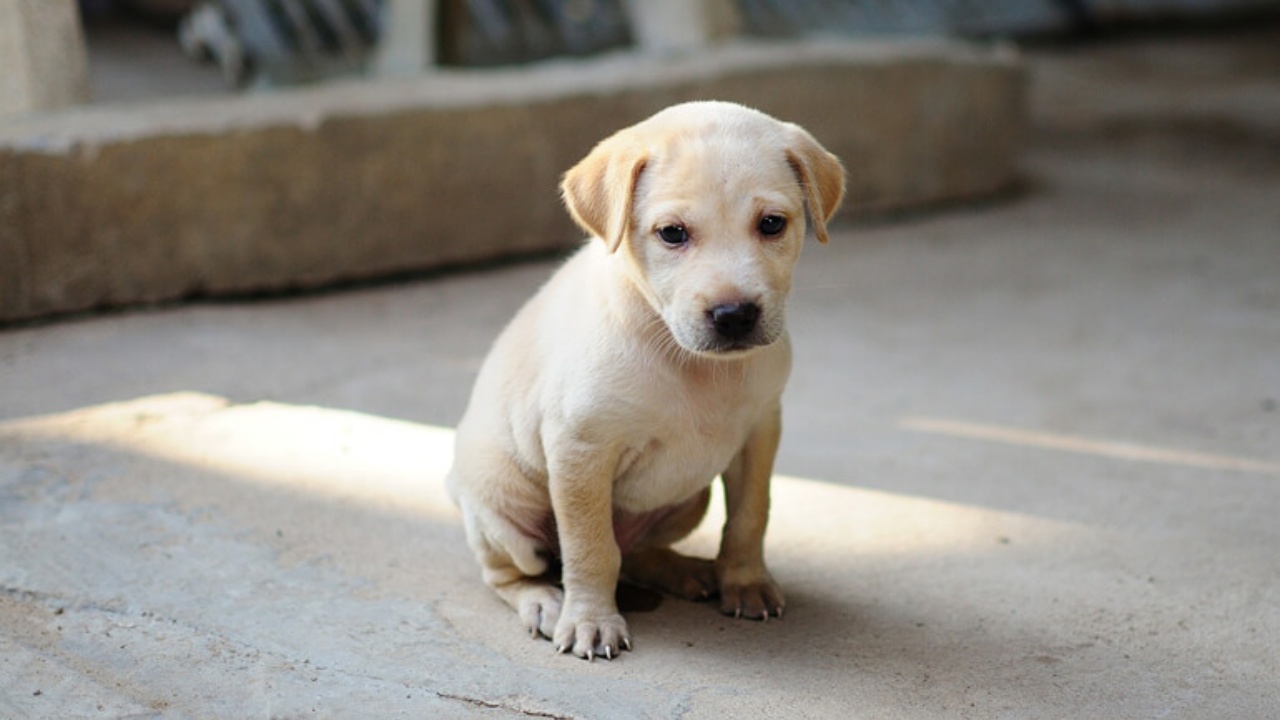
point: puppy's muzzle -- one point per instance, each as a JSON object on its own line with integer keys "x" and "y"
{"x": 735, "y": 326}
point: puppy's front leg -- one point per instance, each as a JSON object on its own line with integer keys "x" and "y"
{"x": 581, "y": 483}
{"x": 746, "y": 589}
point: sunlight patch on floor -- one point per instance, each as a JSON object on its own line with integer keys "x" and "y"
{"x": 1086, "y": 446}
{"x": 341, "y": 454}
{"x": 349, "y": 456}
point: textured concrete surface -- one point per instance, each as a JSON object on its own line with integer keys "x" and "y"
{"x": 120, "y": 204}
{"x": 1029, "y": 470}
{"x": 42, "y": 56}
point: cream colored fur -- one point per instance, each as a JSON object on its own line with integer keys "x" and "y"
{"x": 612, "y": 401}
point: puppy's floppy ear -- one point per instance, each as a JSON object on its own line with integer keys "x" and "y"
{"x": 599, "y": 191}
{"x": 820, "y": 174}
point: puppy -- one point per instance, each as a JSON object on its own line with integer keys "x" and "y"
{"x": 651, "y": 362}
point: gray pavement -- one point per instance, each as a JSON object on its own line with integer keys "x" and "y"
{"x": 1031, "y": 468}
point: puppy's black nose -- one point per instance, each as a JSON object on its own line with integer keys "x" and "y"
{"x": 734, "y": 321}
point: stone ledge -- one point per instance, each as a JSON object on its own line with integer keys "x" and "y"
{"x": 111, "y": 206}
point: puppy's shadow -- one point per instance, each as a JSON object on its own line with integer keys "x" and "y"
{"x": 636, "y": 599}
{"x": 631, "y": 598}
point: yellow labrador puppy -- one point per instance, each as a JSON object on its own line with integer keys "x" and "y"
{"x": 651, "y": 362}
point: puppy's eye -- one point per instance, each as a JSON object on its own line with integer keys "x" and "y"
{"x": 771, "y": 225}
{"x": 673, "y": 235}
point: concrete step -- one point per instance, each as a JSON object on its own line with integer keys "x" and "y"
{"x": 109, "y": 206}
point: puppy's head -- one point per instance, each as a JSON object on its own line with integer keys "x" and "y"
{"x": 707, "y": 201}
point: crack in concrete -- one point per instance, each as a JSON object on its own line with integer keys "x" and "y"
{"x": 489, "y": 704}
{"x": 24, "y": 595}
{"x": 60, "y": 603}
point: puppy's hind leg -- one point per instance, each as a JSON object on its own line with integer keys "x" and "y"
{"x": 521, "y": 578}
{"x": 655, "y": 565}
{"x": 536, "y": 599}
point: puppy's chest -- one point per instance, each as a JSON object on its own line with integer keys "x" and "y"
{"x": 681, "y": 447}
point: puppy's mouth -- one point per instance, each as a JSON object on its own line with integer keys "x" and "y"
{"x": 731, "y": 350}
{"x": 722, "y": 348}
{"x": 713, "y": 349}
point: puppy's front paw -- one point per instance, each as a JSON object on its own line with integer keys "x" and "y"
{"x": 589, "y": 635}
{"x": 750, "y": 595}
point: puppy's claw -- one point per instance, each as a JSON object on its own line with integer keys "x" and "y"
{"x": 626, "y": 643}
{"x": 608, "y": 653}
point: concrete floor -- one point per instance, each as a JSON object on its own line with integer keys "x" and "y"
{"x": 1031, "y": 466}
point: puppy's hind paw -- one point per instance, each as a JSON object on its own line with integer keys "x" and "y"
{"x": 670, "y": 572}
{"x": 540, "y": 610}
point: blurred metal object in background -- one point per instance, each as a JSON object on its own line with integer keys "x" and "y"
{"x": 504, "y": 32}
{"x": 789, "y": 18}
{"x": 282, "y": 41}
{"x": 292, "y": 41}
{"x": 166, "y": 11}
